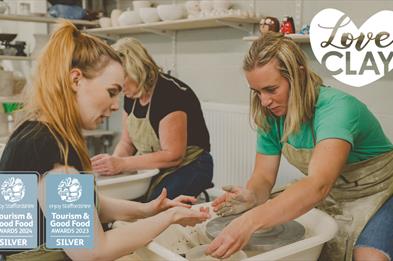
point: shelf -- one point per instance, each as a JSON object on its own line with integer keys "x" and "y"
{"x": 45, "y": 19}
{"x": 238, "y": 22}
{"x": 16, "y": 58}
{"x": 298, "y": 38}
{"x": 10, "y": 99}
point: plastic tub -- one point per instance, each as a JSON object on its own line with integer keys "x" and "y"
{"x": 175, "y": 241}
{"x": 127, "y": 185}
{"x": 198, "y": 253}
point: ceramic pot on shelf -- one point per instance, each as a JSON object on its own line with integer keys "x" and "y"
{"x": 193, "y": 8}
{"x": 115, "y": 14}
{"x": 129, "y": 18}
{"x": 105, "y": 22}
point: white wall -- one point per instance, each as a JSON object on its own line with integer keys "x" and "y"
{"x": 210, "y": 60}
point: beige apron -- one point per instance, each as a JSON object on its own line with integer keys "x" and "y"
{"x": 146, "y": 141}
{"x": 358, "y": 193}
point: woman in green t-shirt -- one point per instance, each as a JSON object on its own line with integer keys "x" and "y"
{"x": 328, "y": 135}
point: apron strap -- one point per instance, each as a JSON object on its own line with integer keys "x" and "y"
{"x": 133, "y": 106}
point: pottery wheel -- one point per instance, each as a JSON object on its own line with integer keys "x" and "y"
{"x": 261, "y": 240}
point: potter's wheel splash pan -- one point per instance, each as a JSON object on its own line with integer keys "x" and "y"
{"x": 261, "y": 240}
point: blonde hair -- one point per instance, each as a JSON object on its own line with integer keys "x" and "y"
{"x": 292, "y": 65}
{"x": 138, "y": 64}
{"x": 52, "y": 97}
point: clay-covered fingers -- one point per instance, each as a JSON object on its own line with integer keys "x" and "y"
{"x": 230, "y": 188}
{"x": 234, "y": 248}
{"x": 214, "y": 245}
{"x": 219, "y": 200}
{"x": 220, "y": 248}
{"x": 226, "y": 211}
{"x": 230, "y": 192}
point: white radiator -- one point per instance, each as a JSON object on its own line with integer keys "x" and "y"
{"x": 232, "y": 142}
{"x": 233, "y": 147}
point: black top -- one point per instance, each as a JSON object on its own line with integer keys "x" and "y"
{"x": 32, "y": 147}
{"x": 172, "y": 95}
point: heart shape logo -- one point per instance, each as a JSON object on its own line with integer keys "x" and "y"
{"x": 356, "y": 57}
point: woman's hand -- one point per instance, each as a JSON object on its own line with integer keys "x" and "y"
{"x": 235, "y": 200}
{"x": 188, "y": 217}
{"x": 162, "y": 203}
{"x": 232, "y": 239}
{"x": 106, "y": 165}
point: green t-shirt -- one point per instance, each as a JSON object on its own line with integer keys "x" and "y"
{"x": 337, "y": 115}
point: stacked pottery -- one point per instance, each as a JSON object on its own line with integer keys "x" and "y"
{"x": 105, "y": 22}
{"x": 129, "y": 18}
{"x": 193, "y": 9}
{"x": 171, "y": 12}
{"x": 206, "y": 7}
{"x": 149, "y": 14}
{"x": 115, "y": 14}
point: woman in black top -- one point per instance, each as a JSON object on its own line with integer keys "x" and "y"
{"x": 163, "y": 127}
{"x": 77, "y": 85}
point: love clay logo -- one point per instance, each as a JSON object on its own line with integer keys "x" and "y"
{"x": 356, "y": 57}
